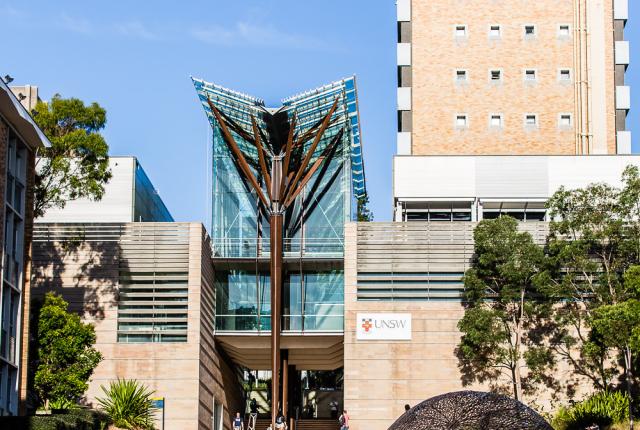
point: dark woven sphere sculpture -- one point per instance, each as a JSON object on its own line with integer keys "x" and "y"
{"x": 471, "y": 410}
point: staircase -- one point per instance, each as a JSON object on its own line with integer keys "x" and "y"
{"x": 319, "y": 424}
{"x": 261, "y": 423}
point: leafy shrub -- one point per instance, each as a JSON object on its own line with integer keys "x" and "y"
{"x": 604, "y": 409}
{"x": 128, "y": 404}
{"x": 63, "y": 403}
{"x": 79, "y": 419}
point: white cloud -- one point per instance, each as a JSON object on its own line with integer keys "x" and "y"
{"x": 9, "y": 11}
{"x": 247, "y": 33}
{"x": 136, "y": 29}
{"x": 76, "y": 25}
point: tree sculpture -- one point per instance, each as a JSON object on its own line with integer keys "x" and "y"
{"x": 287, "y": 160}
{"x": 470, "y": 410}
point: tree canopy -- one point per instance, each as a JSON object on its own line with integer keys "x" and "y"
{"x": 77, "y": 163}
{"x": 501, "y": 328}
{"x": 65, "y": 354}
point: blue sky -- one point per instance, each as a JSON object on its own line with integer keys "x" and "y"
{"x": 135, "y": 59}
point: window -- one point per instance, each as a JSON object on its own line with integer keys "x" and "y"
{"x": 564, "y": 75}
{"x": 529, "y": 31}
{"x": 495, "y": 120}
{"x": 564, "y": 120}
{"x": 495, "y": 75}
{"x": 530, "y": 75}
{"x": 461, "y": 121}
{"x": 461, "y": 75}
{"x": 494, "y": 32}
{"x": 461, "y": 31}
{"x": 531, "y": 120}
{"x": 564, "y": 30}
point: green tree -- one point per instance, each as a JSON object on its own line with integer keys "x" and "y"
{"x": 363, "y": 212}
{"x": 65, "y": 356}
{"x": 77, "y": 163}
{"x": 504, "y": 321}
{"x": 594, "y": 239}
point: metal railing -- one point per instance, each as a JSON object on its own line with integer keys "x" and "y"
{"x": 292, "y": 247}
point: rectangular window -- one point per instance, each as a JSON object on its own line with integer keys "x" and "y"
{"x": 564, "y": 75}
{"x": 564, "y": 30}
{"x": 461, "y": 75}
{"x": 531, "y": 120}
{"x": 495, "y": 75}
{"x": 461, "y": 31}
{"x": 529, "y": 30}
{"x": 494, "y": 32}
{"x": 530, "y": 75}
{"x": 564, "y": 120}
{"x": 461, "y": 121}
{"x": 495, "y": 120}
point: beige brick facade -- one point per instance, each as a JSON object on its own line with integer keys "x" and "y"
{"x": 436, "y": 54}
{"x": 189, "y": 375}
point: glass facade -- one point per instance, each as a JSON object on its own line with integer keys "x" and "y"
{"x": 314, "y": 301}
{"x": 147, "y": 205}
{"x": 313, "y": 223}
{"x": 12, "y": 272}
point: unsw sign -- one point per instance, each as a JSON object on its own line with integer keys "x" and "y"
{"x": 383, "y": 327}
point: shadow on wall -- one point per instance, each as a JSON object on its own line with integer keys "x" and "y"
{"x": 84, "y": 272}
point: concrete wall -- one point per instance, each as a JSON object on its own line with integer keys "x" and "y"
{"x": 88, "y": 273}
{"x": 381, "y": 376}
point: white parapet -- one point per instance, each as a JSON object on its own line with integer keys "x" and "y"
{"x": 521, "y": 178}
{"x": 403, "y": 144}
{"x": 404, "y": 98}
{"x": 404, "y": 10}
{"x": 623, "y": 97}
{"x": 404, "y": 54}
{"x": 623, "y": 144}
{"x": 621, "y": 9}
{"x": 622, "y": 52}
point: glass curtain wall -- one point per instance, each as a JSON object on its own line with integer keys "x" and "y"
{"x": 314, "y": 301}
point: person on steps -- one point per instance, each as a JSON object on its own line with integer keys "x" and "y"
{"x": 238, "y": 424}
{"x": 344, "y": 420}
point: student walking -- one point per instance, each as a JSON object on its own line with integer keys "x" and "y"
{"x": 237, "y": 422}
{"x": 344, "y": 420}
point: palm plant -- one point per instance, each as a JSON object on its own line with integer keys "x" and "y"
{"x": 128, "y": 404}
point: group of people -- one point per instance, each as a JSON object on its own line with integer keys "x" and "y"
{"x": 281, "y": 422}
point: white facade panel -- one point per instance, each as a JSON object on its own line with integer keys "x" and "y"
{"x": 404, "y": 10}
{"x": 116, "y": 204}
{"x": 514, "y": 177}
{"x": 432, "y": 178}
{"x": 622, "y": 52}
{"x": 623, "y": 143}
{"x": 623, "y": 97}
{"x": 404, "y": 98}
{"x": 404, "y": 143}
{"x": 404, "y": 54}
{"x": 621, "y": 9}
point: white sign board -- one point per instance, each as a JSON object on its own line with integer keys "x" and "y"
{"x": 383, "y": 327}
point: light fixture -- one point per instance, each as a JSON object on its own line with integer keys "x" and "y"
{"x": 8, "y": 79}
{"x": 21, "y": 96}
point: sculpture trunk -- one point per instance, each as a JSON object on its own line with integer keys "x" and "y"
{"x": 276, "y": 313}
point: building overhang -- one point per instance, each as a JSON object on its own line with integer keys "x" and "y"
{"x": 501, "y": 177}
{"x": 22, "y": 122}
{"x": 308, "y": 351}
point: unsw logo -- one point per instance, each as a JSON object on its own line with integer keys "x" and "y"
{"x": 369, "y": 323}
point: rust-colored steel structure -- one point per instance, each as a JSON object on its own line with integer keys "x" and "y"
{"x": 277, "y": 186}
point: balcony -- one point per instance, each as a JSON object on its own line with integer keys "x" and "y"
{"x": 622, "y": 52}
{"x": 621, "y": 9}
{"x": 404, "y": 10}
{"x": 623, "y": 97}
{"x": 293, "y": 248}
{"x": 404, "y": 54}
